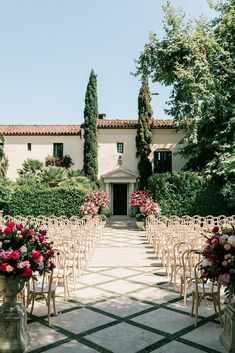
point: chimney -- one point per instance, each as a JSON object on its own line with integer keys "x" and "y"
{"x": 102, "y": 116}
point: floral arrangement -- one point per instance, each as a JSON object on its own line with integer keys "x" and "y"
{"x": 219, "y": 253}
{"x": 140, "y": 197}
{"x": 95, "y": 200}
{"x": 23, "y": 250}
{"x": 152, "y": 208}
{"x": 89, "y": 208}
{"x": 143, "y": 199}
{"x": 100, "y": 198}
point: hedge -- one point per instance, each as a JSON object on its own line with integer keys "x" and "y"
{"x": 47, "y": 201}
{"x": 187, "y": 193}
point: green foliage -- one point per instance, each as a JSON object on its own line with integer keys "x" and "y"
{"x": 144, "y": 134}
{"x": 55, "y": 201}
{"x": 90, "y": 152}
{"x": 31, "y": 167}
{"x": 6, "y": 191}
{"x": 187, "y": 193}
{"x": 3, "y": 158}
{"x": 64, "y": 162}
{"x": 145, "y": 170}
{"x": 197, "y": 59}
{"x": 53, "y": 176}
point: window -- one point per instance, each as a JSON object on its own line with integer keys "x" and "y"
{"x": 29, "y": 145}
{"x": 58, "y": 150}
{"x": 120, "y": 147}
{"x": 162, "y": 161}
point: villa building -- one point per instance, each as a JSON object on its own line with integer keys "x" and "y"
{"x": 117, "y": 163}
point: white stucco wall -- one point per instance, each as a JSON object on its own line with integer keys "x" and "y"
{"x": 107, "y": 151}
{"x": 16, "y": 150}
{"x": 162, "y": 139}
{"x": 168, "y": 139}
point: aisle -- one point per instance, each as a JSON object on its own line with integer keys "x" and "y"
{"x": 124, "y": 304}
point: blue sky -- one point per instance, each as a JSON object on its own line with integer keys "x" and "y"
{"x": 48, "y": 48}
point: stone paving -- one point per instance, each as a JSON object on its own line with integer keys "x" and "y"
{"x": 124, "y": 304}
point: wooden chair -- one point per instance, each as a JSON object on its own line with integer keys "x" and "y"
{"x": 44, "y": 287}
{"x": 203, "y": 289}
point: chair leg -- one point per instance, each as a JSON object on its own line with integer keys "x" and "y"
{"x": 193, "y": 303}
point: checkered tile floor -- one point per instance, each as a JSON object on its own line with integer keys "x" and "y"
{"x": 124, "y": 304}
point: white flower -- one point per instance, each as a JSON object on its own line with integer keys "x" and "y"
{"x": 231, "y": 240}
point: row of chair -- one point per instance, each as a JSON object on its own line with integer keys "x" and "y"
{"x": 178, "y": 243}
{"x": 73, "y": 241}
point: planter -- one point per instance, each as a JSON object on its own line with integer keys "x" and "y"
{"x": 10, "y": 287}
{"x": 140, "y": 225}
{"x": 227, "y": 337}
{"x": 13, "y": 317}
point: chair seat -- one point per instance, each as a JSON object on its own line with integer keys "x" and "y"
{"x": 38, "y": 289}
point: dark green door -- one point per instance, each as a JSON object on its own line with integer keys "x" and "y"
{"x": 119, "y": 199}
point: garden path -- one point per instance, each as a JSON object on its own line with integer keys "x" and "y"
{"x": 124, "y": 304}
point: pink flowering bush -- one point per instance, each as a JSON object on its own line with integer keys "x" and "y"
{"x": 89, "y": 208}
{"x": 100, "y": 198}
{"x": 219, "y": 253}
{"x": 139, "y": 198}
{"x": 144, "y": 199}
{"x": 24, "y": 250}
{"x": 95, "y": 200}
{"x": 152, "y": 208}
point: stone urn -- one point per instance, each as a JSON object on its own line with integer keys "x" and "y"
{"x": 13, "y": 317}
{"x": 227, "y": 337}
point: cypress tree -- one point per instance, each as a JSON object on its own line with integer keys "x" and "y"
{"x": 144, "y": 134}
{"x": 90, "y": 149}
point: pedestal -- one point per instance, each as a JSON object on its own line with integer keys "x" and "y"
{"x": 13, "y": 329}
{"x": 227, "y": 337}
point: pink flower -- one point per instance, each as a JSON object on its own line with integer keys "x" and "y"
{"x": 15, "y": 255}
{"x": 23, "y": 264}
{"x": 9, "y": 268}
{"x": 227, "y": 247}
{"x": 7, "y": 230}
{"x": 5, "y": 255}
{"x": 19, "y": 226}
{"x": 215, "y": 229}
{"x": 27, "y": 272}
{"x": 11, "y": 224}
{"x": 224, "y": 278}
{"x": 36, "y": 255}
{"x": 225, "y": 263}
{"x": 3, "y": 266}
{"x": 43, "y": 232}
{"x": 23, "y": 249}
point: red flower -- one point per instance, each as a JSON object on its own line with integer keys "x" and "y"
{"x": 11, "y": 224}
{"x": 15, "y": 255}
{"x": 215, "y": 229}
{"x": 19, "y": 226}
{"x": 36, "y": 254}
{"x": 43, "y": 232}
{"x": 216, "y": 273}
{"x": 212, "y": 257}
{"x": 3, "y": 266}
{"x": 50, "y": 253}
{"x": 7, "y": 230}
{"x": 27, "y": 272}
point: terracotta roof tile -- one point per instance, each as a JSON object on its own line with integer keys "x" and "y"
{"x": 76, "y": 129}
{"x": 119, "y": 123}
{"x": 40, "y": 129}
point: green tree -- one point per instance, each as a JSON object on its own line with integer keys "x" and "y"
{"x": 90, "y": 155}
{"x": 197, "y": 59}
{"x": 144, "y": 134}
{"x": 3, "y": 158}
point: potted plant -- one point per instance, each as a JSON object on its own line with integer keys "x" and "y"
{"x": 140, "y": 220}
{"x": 23, "y": 251}
{"x": 219, "y": 267}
